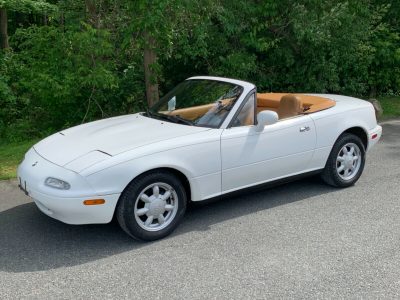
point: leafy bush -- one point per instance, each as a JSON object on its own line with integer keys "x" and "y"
{"x": 76, "y": 61}
{"x": 54, "y": 78}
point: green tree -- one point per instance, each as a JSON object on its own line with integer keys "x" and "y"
{"x": 158, "y": 27}
{"x": 22, "y": 6}
{"x": 71, "y": 61}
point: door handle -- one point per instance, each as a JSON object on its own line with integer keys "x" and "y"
{"x": 305, "y": 128}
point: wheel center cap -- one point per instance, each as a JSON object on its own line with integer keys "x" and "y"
{"x": 348, "y": 161}
{"x": 157, "y": 207}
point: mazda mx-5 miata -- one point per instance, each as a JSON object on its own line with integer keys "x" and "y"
{"x": 207, "y": 137}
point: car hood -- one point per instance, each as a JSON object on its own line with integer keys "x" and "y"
{"x": 96, "y": 141}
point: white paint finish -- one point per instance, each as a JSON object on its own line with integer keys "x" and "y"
{"x": 113, "y": 136}
{"x": 195, "y": 143}
{"x": 246, "y": 85}
{"x": 34, "y": 169}
{"x": 198, "y": 159}
{"x": 215, "y": 161}
{"x": 347, "y": 113}
{"x": 378, "y": 131}
{"x": 85, "y": 161}
{"x": 250, "y": 157}
{"x": 346, "y": 103}
{"x": 73, "y": 211}
{"x": 320, "y": 158}
{"x": 205, "y": 187}
{"x": 331, "y": 123}
{"x": 275, "y": 163}
{"x": 264, "y": 118}
{"x": 331, "y": 126}
{"x": 64, "y": 205}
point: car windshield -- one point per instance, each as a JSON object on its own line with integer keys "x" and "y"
{"x": 197, "y": 102}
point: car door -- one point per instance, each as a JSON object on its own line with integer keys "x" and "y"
{"x": 282, "y": 149}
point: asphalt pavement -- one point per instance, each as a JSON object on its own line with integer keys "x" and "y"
{"x": 299, "y": 240}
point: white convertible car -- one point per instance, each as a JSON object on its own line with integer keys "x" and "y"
{"x": 209, "y": 136}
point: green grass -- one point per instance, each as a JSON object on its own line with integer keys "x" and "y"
{"x": 390, "y": 106}
{"x": 11, "y": 154}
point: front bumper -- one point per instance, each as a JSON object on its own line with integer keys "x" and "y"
{"x": 64, "y": 205}
{"x": 374, "y": 135}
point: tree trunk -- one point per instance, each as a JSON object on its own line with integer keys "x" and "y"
{"x": 62, "y": 20}
{"x": 93, "y": 18}
{"x": 3, "y": 29}
{"x": 150, "y": 58}
{"x": 372, "y": 91}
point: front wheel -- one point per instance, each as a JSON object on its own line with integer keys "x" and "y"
{"x": 346, "y": 161}
{"x": 152, "y": 206}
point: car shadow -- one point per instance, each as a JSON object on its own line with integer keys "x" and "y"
{"x": 31, "y": 241}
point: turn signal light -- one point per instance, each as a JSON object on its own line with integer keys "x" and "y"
{"x": 94, "y": 202}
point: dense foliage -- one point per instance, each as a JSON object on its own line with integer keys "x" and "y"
{"x": 66, "y": 61}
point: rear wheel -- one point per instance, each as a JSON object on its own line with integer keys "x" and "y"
{"x": 152, "y": 206}
{"x": 346, "y": 161}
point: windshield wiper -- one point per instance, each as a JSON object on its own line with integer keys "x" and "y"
{"x": 171, "y": 118}
{"x": 157, "y": 116}
{"x": 178, "y": 119}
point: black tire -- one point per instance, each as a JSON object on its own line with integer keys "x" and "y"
{"x": 125, "y": 211}
{"x": 330, "y": 174}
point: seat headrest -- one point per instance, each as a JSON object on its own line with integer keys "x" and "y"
{"x": 289, "y": 106}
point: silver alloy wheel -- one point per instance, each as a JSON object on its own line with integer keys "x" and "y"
{"x": 348, "y": 161}
{"x": 156, "y": 206}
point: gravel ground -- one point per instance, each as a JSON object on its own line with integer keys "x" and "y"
{"x": 299, "y": 240}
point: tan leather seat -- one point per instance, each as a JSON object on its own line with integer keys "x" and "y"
{"x": 311, "y": 104}
{"x": 289, "y": 106}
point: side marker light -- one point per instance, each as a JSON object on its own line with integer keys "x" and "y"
{"x": 94, "y": 202}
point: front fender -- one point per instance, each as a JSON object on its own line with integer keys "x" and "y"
{"x": 200, "y": 163}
